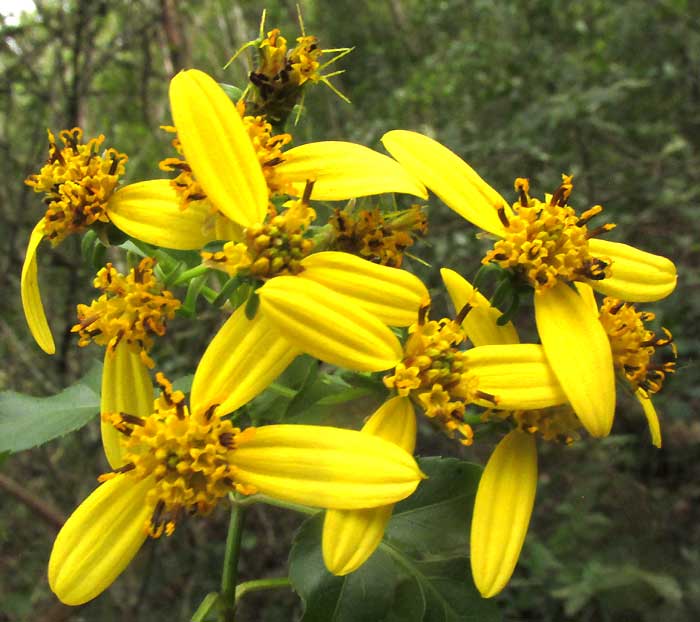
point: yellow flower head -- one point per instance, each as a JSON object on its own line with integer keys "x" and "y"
{"x": 186, "y": 455}
{"x": 374, "y": 236}
{"x": 77, "y": 181}
{"x": 435, "y": 375}
{"x": 131, "y": 309}
{"x": 634, "y": 345}
{"x": 546, "y": 242}
{"x": 269, "y": 249}
{"x": 557, "y": 423}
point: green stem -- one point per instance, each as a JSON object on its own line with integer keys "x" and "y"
{"x": 188, "y": 275}
{"x": 287, "y": 505}
{"x": 229, "y": 574}
{"x": 257, "y": 585}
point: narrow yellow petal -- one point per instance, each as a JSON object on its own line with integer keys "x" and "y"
{"x": 243, "y": 358}
{"x": 325, "y": 467}
{"x": 218, "y": 148}
{"x": 502, "y": 511}
{"x": 150, "y": 211}
{"x": 99, "y": 540}
{"x": 637, "y": 276}
{"x": 351, "y": 536}
{"x": 652, "y": 417}
{"x": 578, "y": 350}
{"x": 481, "y": 322}
{"x": 390, "y": 294}
{"x": 31, "y": 298}
{"x": 343, "y": 171}
{"x": 328, "y": 325}
{"x": 518, "y": 375}
{"x": 126, "y": 388}
{"x": 449, "y": 177}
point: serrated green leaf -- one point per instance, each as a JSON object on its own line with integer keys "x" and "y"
{"x": 27, "y": 421}
{"x": 436, "y": 518}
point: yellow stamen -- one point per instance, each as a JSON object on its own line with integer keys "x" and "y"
{"x": 559, "y": 423}
{"x": 132, "y": 308}
{"x": 188, "y": 456}
{"x": 546, "y": 242}
{"x": 77, "y": 181}
{"x": 434, "y": 375}
{"x": 634, "y": 345}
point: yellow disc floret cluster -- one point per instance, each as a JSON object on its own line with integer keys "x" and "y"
{"x": 77, "y": 181}
{"x": 558, "y": 423}
{"x": 376, "y": 237}
{"x": 278, "y": 64}
{"x": 434, "y": 375}
{"x": 270, "y": 249}
{"x": 634, "y": 345}
{"x": 186, "y": 455}
{"x": 546, "y": 242}
{"x": 132, "y": 309}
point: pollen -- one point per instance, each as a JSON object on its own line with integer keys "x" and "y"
{"x": 270, "y": 249}
{"x": 132, "y": 308}
{"x": 433, "y": 374}
{"x": 634, "y": 346}
{"x": 381, "y": 239}
{"x": 77, "y": 181}
{"x": 547, "y": 242}
{"x": 187, "y": 455}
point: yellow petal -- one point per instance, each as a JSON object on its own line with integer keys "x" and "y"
{"x": 392, "y": 295}
{"x": 637, "y": 276}
{"x": 652, "y": 417}
{"x": 343, "y": 170}
{"x": 31, "y": 298}
{"x": 351, "y": 536}
{"x": 481, "y": 322}
{"x": 150, "y": 211}
{"x": 449, "y": 177}
{"x": 518, "y": 375}
{"x": 217, "y": 147}
{"x": 502, "y": 511}
{"x": 99, "y": 540}
{"x": 578, "y": 350}
{"x": 586, "y": 293}
{"x": 126, "y": 388}
{"x": 324, "y": 467}
{"x": 243, "y": 358}
{"x": 328, "y": 325}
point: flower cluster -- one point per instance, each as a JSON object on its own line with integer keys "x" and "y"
{"x": 293, "y": 276}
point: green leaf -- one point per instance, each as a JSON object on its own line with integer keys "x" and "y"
{"x": 436, "y": 518}
{"x": 419, "y": 573}
{"x": 27, "y": 421}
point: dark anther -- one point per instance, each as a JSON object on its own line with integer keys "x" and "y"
{"x": 226, "y": 439}
{"x": 617, "y": 307}
{"x": 463, "y": 313}
{"x": 132, "y": 419}
{"x": 273, "y": 162}
{"x": 308, "y": 189}
{"x": 487, "y": 397}
{"x": 210, "y": 411}
{"x": 423, "y": 314}
{"x": 503, "y": 217}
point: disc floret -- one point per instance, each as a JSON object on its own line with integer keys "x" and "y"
{"x": 77, "y": 182}
{"x": 634, "y": 346}
{"x": 434, "y": 375}
{"x": 132, "y": 308}
{"x": 547, "y": 242}
{"x": 186, "y": 455}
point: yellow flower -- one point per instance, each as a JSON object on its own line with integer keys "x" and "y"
{"x": 177, "y": 460}
{"x": 442, "y": 379}
{"x": 77, "y": 182}
{"x": 550, "y": 246}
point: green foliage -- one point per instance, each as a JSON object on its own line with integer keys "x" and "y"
{"x": 419, "y": 573}
{"x": 27, "y": 421}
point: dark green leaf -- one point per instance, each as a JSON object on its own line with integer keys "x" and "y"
{"x": 27, "y": 421}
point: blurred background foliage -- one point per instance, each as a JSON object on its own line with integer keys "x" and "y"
{"x": 607, "y": 91}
